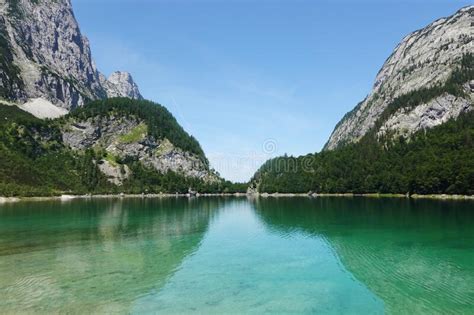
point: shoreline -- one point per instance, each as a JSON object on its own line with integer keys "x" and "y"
{"x": 113, "y": 196}
{"x": 371, "y": 195}
{"x": 252, "y": 195}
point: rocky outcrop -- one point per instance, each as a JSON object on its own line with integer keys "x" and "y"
{"x": 121, "y": 84}
{"x": 423, "y": 59}
{"x": 45, "y": 56}
{"x": 115, "y": 173}
{"x": 405, "y": 122}
{"x": 126, "y": 139}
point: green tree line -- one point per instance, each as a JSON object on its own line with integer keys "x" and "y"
{"x": 434, "y": 161}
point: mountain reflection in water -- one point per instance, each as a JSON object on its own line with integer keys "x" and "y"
{"x": 237, "y": 255}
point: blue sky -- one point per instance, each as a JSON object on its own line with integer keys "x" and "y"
{"x": 253, "y": 79}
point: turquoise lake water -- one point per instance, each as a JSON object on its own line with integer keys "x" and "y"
{"x": 238, "y": 255}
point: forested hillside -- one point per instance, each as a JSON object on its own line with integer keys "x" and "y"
{"x": 436, "y": 161}
{"x": 431, "y": 161}
{"x": 36, "y": 161}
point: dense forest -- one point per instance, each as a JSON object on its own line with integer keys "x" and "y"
{"x": 434, "y": 161}
{"x": 437, "y": 161}
{"x": 35, "y": 162}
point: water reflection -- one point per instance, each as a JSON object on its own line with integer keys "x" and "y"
{"x": 217, "y": 255}
{"x": 95, "y": 256}
{"x": 417, "y": 256}
{"x": 243, "y": 267}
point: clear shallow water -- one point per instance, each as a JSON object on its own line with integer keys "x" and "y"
{"x": 234, "y": 255}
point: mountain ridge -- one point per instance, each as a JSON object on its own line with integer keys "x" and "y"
{"x": 424, "y": 58}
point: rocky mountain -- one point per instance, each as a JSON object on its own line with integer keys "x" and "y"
{"x": 413, "y": 134}
{"x": 45, "y": 59}
{"x": 424, "y": 83}
{"x": 126, "y": 134}
{"x": 103, "y": 137}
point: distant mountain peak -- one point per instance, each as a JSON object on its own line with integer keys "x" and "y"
{"x": 121, "y": 84}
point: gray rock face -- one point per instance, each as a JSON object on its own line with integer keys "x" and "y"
{"x": 121, "y": 84}
{"x": 126, "y": 138}
{"x": 50, "y": 58}
{"x": 85, "y": 134}
{"x": 423, "y": 59}
{"x": 116, "y": 174}
{"x": 428, "y": 115}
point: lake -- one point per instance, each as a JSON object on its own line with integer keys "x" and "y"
{"x": 237, "y": 255}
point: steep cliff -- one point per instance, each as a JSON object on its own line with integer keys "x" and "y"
{"x": 426, "y": 81}
{"x": 45, "y": 57}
